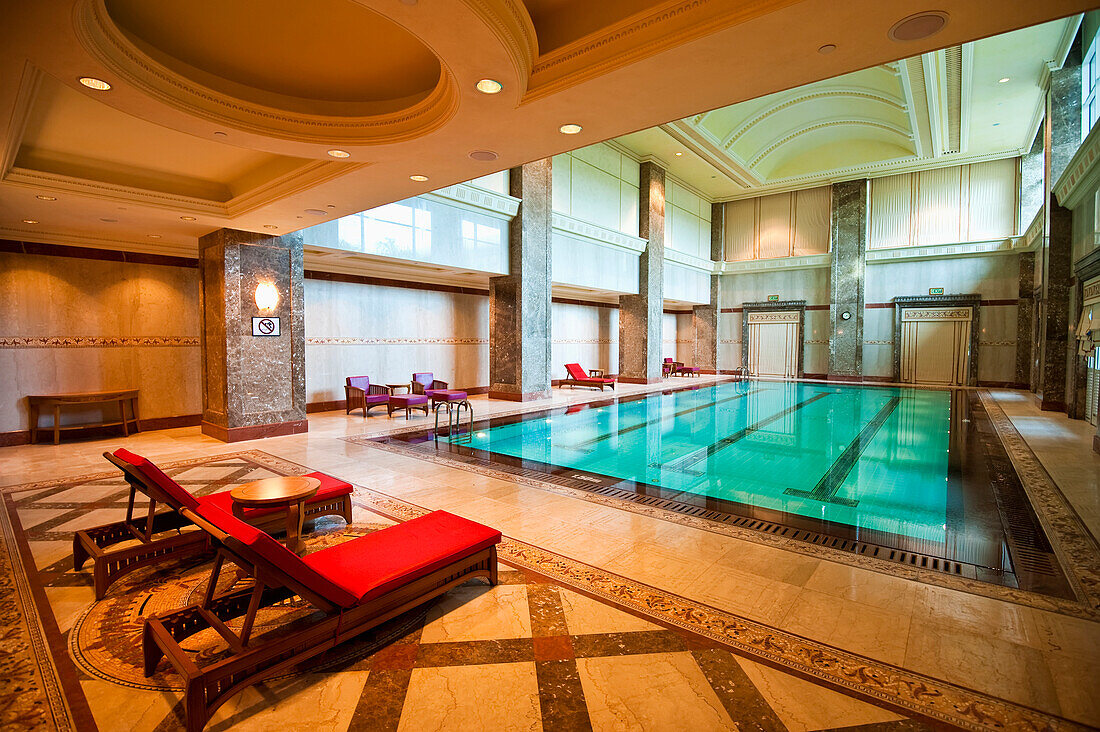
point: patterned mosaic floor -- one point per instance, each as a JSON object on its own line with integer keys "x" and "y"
{"x": 557, "y": 645}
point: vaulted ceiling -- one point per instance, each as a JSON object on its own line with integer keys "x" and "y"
{"x": 222, "y": 113}
{"x": 944, "y": 107}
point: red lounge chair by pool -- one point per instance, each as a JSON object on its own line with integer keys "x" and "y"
{"x": 594, "y": 377}
{"x": 425, "y": 383}
{"x": 355, "y": 585}
{"x": 333, "y": 498}
{"x": 360, "y": 393}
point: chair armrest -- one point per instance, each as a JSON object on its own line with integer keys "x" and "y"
{"x": 350, "y": 391}
{"x": 416, "y": 388}
{"x": 596, "y": 373}
{"x": 379, "y": 389}
{"x": 437, "y": 384}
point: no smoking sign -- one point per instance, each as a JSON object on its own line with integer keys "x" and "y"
{"x": 265, "y": 326}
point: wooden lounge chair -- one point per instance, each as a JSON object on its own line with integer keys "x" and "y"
{"x": 360, "y": 393}
{"x": 355, "y": 586}
{"x": 110, "y": 562}
{"x": 594, "y": 378}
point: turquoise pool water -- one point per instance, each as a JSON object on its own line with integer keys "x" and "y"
{"x": 871, "y": 458}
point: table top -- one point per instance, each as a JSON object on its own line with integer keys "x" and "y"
{"x": 85, "y": 396}
{"x": 396, "y": 386}
{"x": 269, "y": 491}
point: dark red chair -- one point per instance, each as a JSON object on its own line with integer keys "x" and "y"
{"x": 359, "y": 393}
{"x": 425, "y": 383}
{"x": 355, "y": 586}
{"x": 333, "y": 498}
{"x": 594, "y": 378}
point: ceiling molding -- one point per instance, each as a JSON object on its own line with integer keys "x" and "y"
{"x": 911, "y": 75}
{"x": 29, "y": 82}
{"x": 863, "y": 122}
{"x": 57, "y": 183}
{"x": 303, "y": 178}
{"x": 476, "y": 199}
{"x": 992, "y": 247}
{"x": 161, "y": 246}
{"x": 1082, "y": 174}
{"x": 810, "y": 261}
{"x": 700, "y": 142}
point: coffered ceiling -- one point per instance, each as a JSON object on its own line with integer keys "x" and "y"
{"x": 223, "y": 113}
{"x": 964, "y": 103}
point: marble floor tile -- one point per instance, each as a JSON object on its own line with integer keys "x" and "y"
{"x": 46, "y": 553}
{"x": 805, "y": 707}
{"x": 981, "y": 662}
{"x": 864, "y": 629}
{"x": 478, "y": 612}
{"x": 765, "y": 561}
{"x": 650, "y": 691}
{"x": 1075, "y": 683}
{"x": 743, "y": 593}
{"x": 31, "y": 517}
{"x": 308, "y": 703}
{"x": 119, "y": 709}
{"x": 95, "y": 517}
{"x": 583, "y": 615}
{"x": 503, "y": 696}
{"x": 979, "y": 615}
{"x": 68, "y": 603}
{"x": 864, "y": 586}
{"x": 87, "y": 494}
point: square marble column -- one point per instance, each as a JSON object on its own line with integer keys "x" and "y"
{"x": 252, "y": 385}
{"x": 1025, "y": 309}
{"x": 1063, "y": 134}
{"x": 849, "y": 246}
{"x": 640, "y": 315}
{"x": 519, "y": 303}
{"x": 705, "y": 317}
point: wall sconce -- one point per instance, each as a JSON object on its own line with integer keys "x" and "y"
{"x": 267, "y": 296}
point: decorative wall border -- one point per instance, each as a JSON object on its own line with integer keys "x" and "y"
{"x": 351, "y": 341}
{"x": 18, "y": 342}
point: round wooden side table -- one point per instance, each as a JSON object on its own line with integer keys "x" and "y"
{"x": 290, "y": 492}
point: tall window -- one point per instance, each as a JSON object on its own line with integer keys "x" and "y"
{"x": 1090, "y": 106}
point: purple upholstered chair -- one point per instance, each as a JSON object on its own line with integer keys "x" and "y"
{"x": 359, "y": 392}
{"x": 425, "y": 383}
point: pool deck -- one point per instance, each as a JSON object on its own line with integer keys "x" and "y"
{"x": 1046, "y": 659}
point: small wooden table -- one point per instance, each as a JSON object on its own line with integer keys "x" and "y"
{"x": 394, "y": 387}
{"x": 289, "y": 492}
{"x": 35, "y": 403}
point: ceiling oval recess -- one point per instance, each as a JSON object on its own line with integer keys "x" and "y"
{"x": 322, "y": 71}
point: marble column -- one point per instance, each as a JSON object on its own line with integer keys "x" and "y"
{"x": 705, "y": 317}
{"x": 1063, "y": 137}
{"x": 1025, "y": 311}
{"x": 849, "y": 246}
{"x": 640, "y": 315}
{"x": 519, "y": 302}
{"x": 252, "y": 385}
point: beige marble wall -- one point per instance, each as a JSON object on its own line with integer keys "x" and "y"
{"x": 70, "y": 324}
{"x": 387, "y": 333}
{"x": 678, "y": 341}
{"x": 995, "y": 278}
{"x": 584, "y": 334}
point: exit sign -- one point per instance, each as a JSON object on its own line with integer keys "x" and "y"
{"x": 773, "y": 298}
{"x": 935, "y": 290}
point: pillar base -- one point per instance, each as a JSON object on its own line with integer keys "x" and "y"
{"x": 1096, "y": 443}
{"x": 254, "y": 432}
{"x": 1051, "y": 406}
{"x": 513, "y": 396}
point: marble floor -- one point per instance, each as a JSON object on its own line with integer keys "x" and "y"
{"x": 1040, "y": 659}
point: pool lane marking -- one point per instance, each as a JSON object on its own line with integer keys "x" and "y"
{"x": 830, "y": 483}
{"x": 683, "y": 465}
{"x": 588, "y": 445}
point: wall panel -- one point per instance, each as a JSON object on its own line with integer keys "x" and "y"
{"x": 779, "y": 225}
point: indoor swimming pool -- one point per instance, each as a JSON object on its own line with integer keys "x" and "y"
{"x": 918, "y": 471}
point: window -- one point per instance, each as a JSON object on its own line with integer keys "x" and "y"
{"x": 1089, "y": 86}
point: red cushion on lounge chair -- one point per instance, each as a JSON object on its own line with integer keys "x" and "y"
{"x": 174, "y": 490}
{"x": 277, "y": 554}
{"x": 576, "y": 371}
{"x": 330, "y": 488}
{"x": 374, "y": 564}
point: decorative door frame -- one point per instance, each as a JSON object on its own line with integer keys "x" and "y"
{"x": 773, "y": 306}
{"x": 973, "y": 302}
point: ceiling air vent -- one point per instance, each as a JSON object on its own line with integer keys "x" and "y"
{"x": 954, "y": 56}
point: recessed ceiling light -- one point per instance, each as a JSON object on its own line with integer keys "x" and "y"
{"x": 29, "y": 221}
{"x": 570, "y": 129}
{"x": 46, "y": 198}
{"x": 219, "y": 133}
{"x": 109, "y": 221}
{"x": 154, "y": 236}
{"x": 484, "y": 156}
{"x": 489, "y": 86}
{"x": 339, "y": 153}
{"x": 93, "y": 83}
{"x": 270, "y": 226}
{"x": 919, "y": 26}
{"x": 418, "y": 178}
{"x": 679, "y": 154}
{"x": 187, "y": 218}
{"x": 827, "y": 48}
{"x": 316, "y": 212}
{"x": 1003, "y": 80}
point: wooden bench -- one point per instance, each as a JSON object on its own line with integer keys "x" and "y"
{"x": 37, "y": 402}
